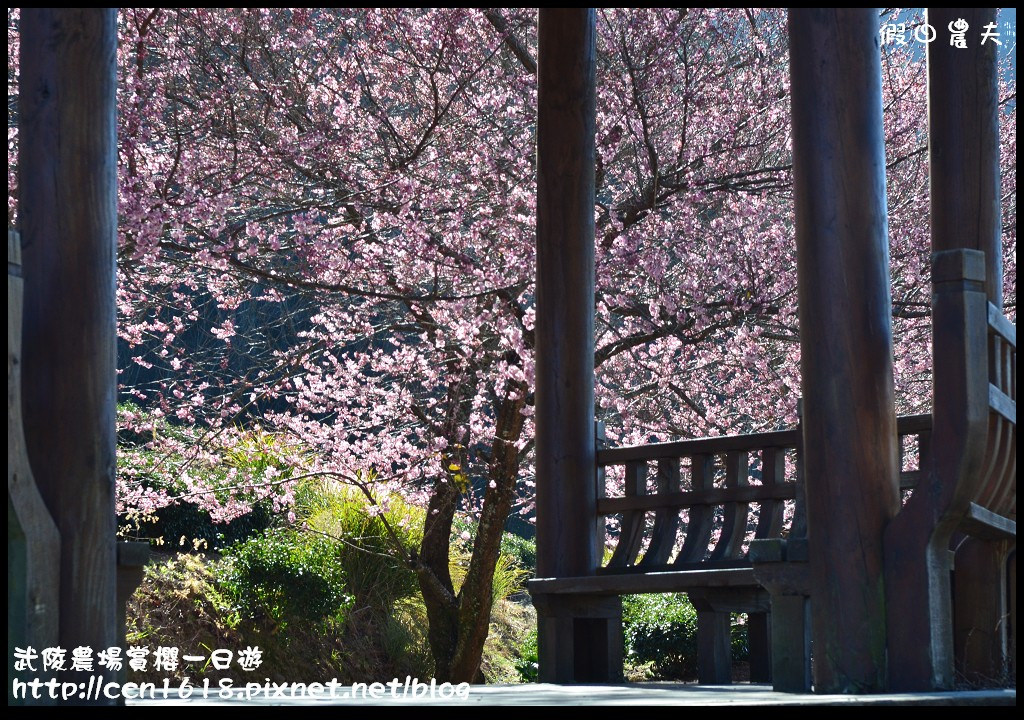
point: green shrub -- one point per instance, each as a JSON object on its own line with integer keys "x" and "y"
{"x": 285, "y": 575}
{"x": 524, "y": 550}
{"x": 739, "y": 643}
{"x": 184, "y": 527}
{"x": 661, "y": 631}
{"x": 184, "y": 603}
{"x": 526, "y": 660}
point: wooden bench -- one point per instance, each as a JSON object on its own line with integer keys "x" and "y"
{"x": 688, "y": 512}
{"x": 964, "y": 491}
{"x": 714, "y": 498}
{"x": 968, "y": 488}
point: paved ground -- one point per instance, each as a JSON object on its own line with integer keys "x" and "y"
{"x": 636, "y": 694}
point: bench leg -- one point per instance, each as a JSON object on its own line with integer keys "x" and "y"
{"x": 791, "y": 643}
{"x": 714, "y": 656}
{"x": 1011, "y": 582}
{"x": 759, "y": 640}
{"x": 980, "y": 613}
{"x": 579, "y": 638}
{"x": 919, "y": 613}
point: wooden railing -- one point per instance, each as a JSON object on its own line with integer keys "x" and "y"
{"x": 999, "y": 490}
{"x": 696, "y": 504}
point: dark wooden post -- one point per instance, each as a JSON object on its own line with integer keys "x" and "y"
{"x": 963, "y": 131}
{"x": 579, "y": 638}
{"x": 963, "y": 143}
{"x": 68, "y": 216}
{"x": 566, "y": 446}
{"x": 849, "y": 446}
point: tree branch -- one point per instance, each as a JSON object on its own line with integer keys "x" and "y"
{"x": 511, "y": 41}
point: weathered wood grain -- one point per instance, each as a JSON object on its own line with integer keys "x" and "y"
{"x": 565, "y": 445}
{"x": 582, "y": 640}
{"x": 700, "y": 446}
{"x": 849, "y": 418}
{"x": 666, "y": 519}
{"x": 68, "y": 220}
{"x": 963, "y": 144}
{"x": 702, "y": 517}
{"x": 631, "y": 531}
{"x": 624, "y": 584}
{"x": 734, "y": 516}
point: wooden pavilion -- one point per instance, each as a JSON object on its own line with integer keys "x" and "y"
{"x": 866, "y": 580}
{"x": 864, "y": 577}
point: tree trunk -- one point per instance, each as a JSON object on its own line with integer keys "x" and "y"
{"x": 476, "y": 594}
{"x": 435, "y": 578}
{"x": 458, "y": 624}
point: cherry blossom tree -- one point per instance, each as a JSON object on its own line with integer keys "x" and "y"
{"x": 327, "y": 228}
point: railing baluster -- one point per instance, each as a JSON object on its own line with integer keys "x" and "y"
{"x": 1012, "y": 373}
{"x": 1005, "y": 483}
{"x": 632, "y": 532}
{"x": 734, "y": 524}
{"x": 773, "y": 472}
{"x": 1000, "y": 474}
{"x": 799, "y": 527}
{"x": 924, "y": 441}
{"x": 666, "y": 520}
{"x": 702, "y": 517}
{"x": 992, "y": 469}
{"x": 995, "y": 360}
{"x": 1008, "y": 501}
{"x": 901, "y": 448}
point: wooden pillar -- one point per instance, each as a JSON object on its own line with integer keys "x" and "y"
{"x": 963, "y": 131}
{"x": 920, "y": 638}
{"x": 68, "y": 216}
{"x": 566, "y": 468}
{"x": 566, "y": 455}
{"x": 849, "y": 444}
{"x": 963, "y": 143}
